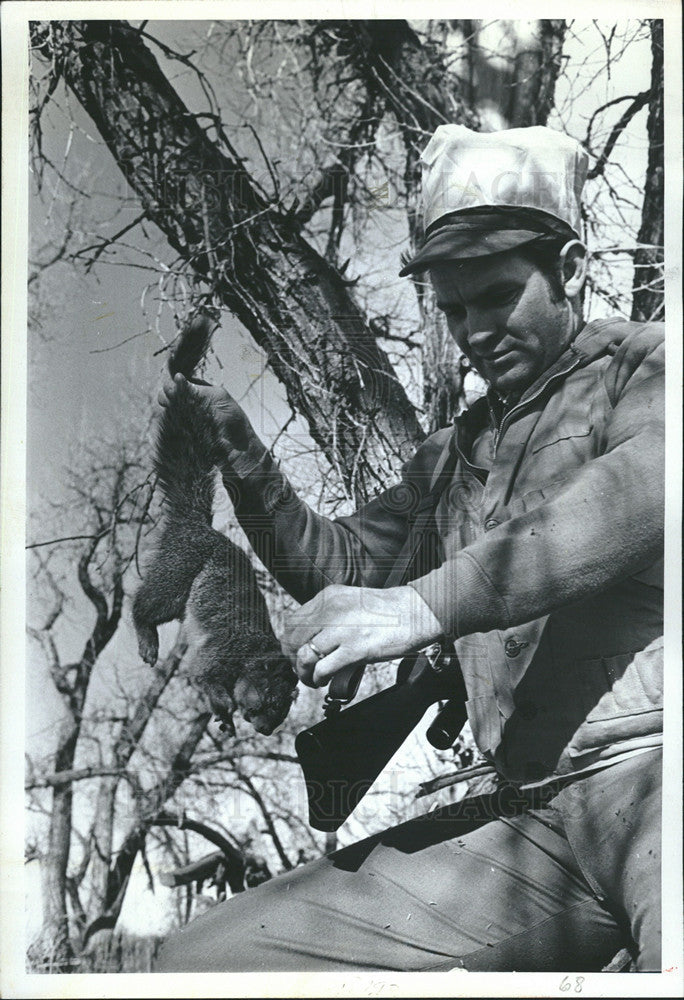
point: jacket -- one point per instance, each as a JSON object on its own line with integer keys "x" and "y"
{"x": 546, "y": 561}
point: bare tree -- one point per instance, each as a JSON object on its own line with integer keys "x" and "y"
{"x": 517, "y": 77}
{"x": 648, "y": 299}
{"x": 72, "y": 681}
{"x": 244, "y": 235}
{"x": 245, "y": 245}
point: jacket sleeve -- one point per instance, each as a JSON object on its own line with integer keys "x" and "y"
{"x": 606, "y": 522}
{"x": 306, "y": 551}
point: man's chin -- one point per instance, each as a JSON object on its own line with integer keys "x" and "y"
{"x": 510, "y": 383}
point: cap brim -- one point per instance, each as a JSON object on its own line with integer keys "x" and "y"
{"x": 456, "y": 243}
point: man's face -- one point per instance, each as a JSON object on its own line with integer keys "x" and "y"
{"x": 501, "y": 312}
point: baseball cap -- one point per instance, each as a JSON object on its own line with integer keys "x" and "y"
{"x": 486, "y": 192}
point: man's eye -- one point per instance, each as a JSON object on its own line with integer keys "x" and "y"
{"x": 504, "y": 297}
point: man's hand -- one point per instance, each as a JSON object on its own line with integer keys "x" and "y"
{"x": 351, "y": 624}
{"x": 232, "y": 421}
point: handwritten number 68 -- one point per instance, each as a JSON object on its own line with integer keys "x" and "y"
{"x": 567, "y": 984}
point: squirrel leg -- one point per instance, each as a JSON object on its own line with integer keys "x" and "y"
{"x": 148, "y": 643}
{"x": 163, "y": 594}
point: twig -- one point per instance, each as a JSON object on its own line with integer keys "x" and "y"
{"x": 69, "y": 538}
{"x": 101, "y": 247}
{"x": 444, "y": 780}
{"x": 637, "y": 104}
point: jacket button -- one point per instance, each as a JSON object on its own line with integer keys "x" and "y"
{"x": 490, "y": 523}
{"x": 513, "y": 648}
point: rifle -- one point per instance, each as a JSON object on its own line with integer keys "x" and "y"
{"x": 343, "y": 755}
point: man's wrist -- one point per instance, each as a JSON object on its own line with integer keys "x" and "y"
{"x": 425, "y": 627}
{"x": 243, "y": 461}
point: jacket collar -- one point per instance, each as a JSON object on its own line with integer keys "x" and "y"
{"x": 595, "y": 338}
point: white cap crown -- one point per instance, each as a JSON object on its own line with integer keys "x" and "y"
{"x": 534, "y": 167}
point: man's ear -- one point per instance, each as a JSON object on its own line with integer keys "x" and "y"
{"x": 573, "y": 262}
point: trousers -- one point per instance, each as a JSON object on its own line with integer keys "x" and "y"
{"x": 560, "y": 880}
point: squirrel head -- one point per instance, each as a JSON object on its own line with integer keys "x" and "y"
{"x": 262, "y": 692}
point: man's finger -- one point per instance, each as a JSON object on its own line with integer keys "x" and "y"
{"x": 308, "y": 655}
{"x": 304, "y": 673}
{"x": 305, "y": 622}
{"x": 295, "y": 635}
{"x": 304, "y": 669}
{"x": 329, "y": 665}
{"x": 167, "y": 391}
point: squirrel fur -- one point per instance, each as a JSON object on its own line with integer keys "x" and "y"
{"x": 201, "y": 577}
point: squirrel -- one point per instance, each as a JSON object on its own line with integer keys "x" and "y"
{"x": 198, "y": 575}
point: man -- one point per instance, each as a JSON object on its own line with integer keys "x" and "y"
{"x": 548, "y": 579}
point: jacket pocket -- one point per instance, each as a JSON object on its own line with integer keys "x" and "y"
{"x": 565, "y": 431}
{"x": 623, "y": 698}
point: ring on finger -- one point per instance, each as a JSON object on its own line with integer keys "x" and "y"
{"x": 315, "y": 650}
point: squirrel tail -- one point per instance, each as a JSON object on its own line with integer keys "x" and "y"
{"x": 187, "y": 451}
{"x": 191, "y": 346}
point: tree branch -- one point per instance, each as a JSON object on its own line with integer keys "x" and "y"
{"x": 100, "y": 248}
{"x": 637, "y": 104}
{"x": 58, "y": 778}
{"x": 234, "y": 857}
{"x": 133, "y": 728}
{"x": 273, "y": 833}
{"x": 648, "y": 289}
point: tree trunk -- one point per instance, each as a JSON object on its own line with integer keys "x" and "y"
{"x": 102, "y": 843}
{"x": 537, "y": 64}
{"x": 648, "y": 286}
{"x": 53, "y": 952}
{"x": 72, "y": 682}
{"x": 120, "y": 871}
{"x": 128, "y": 740}
{"x": 512, "y": 67}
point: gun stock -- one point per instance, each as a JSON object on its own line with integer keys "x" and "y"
{"x": 343, "y": 755}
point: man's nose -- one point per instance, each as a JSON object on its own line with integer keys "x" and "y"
{"x": 483, "y": 334}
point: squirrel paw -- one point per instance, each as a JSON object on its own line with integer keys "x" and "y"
{"x": 148, "y": 645}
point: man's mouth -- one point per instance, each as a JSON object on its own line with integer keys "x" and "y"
{"x": 496, "y": 356}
